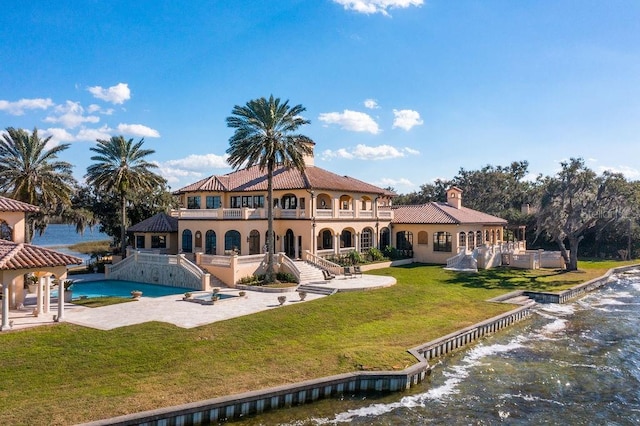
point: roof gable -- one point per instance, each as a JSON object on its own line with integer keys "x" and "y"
{"x": 254, "y": 179}
{"x": 27, "y": 256}
{"x": 442, "y": 213}
{"x": 160, "y": 222}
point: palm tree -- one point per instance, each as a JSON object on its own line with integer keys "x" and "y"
{"x": 121, "y": 168}
{"x": 31, "y": 172}
{"x": 265, "y": 136}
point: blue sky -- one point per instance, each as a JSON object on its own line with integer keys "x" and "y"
{"x": 399, "y": 92}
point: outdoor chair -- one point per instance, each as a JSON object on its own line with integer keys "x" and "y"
{"x": 347, "y": 272}
{"x": 357, "y": 271}
{"x": 327, "y": 275}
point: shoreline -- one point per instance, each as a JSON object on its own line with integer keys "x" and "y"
{"x": 256, "y": 402}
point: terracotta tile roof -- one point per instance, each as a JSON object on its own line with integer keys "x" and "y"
{"x": 160, "y": 222}
{"x": 11, "y": 205}
{"x": 253, "y": 179}
{"x": 442, "y": 213}
{"x": 27, "y": 256}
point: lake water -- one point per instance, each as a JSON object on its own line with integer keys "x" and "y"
{"x": 572, "y": 364}
{"x": 59, "y": 237}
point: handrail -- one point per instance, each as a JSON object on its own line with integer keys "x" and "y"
{"x": 124, "y": 262}
{"x": 455, "y": 259}
{"x": 323, "y": 263}
{"x": 191, "y": 267}
{"x": 288, "y": 263}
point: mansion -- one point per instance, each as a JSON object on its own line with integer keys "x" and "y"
{"x": 317, "y": 214}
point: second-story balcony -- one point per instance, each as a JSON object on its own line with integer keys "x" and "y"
{"x": 246, "y": 213}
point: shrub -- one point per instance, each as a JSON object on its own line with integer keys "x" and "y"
{"x": 354, "y": 257}
{"x": 286, "y": 277}
{"x": 375, "y": 254}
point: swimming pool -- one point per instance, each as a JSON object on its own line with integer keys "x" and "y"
{"x": 119, "y": 288}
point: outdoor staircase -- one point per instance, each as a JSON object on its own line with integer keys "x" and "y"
{"x": 309, "y": 273}
{"x": 465, "y": 263}
{"x": 325, "y": 291}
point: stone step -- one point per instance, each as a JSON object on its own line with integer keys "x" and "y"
{"x": 327, "y": 291}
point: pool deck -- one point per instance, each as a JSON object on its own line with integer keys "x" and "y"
{"x": 172, "y": 309}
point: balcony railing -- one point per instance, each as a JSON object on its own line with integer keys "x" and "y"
{"x": 245, "y": 213}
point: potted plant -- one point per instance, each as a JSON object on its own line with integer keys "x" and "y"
{"x": 136, "y": 294}
{"x": 242, "y": 293}
{"x": 68, "y": 291}
{"x": 187, "y": 295}
{"x": 32, "y": 283}
{"x": 282, "y": 299}
{"x": 302, "y": 294}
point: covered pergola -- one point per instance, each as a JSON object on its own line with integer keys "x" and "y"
{"x": 19, "y": 259}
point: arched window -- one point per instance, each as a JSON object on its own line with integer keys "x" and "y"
{"x": 198, "y": 239}
{"x": 6, "y": 233}
{"x": 423, "y": 237}
{"x": 366, "y": 239}
{"x": 498, "y": 235}
{"x": 471, "y": 240}
{"x": 187, "y": 241}
{"x": 366, "y": 202}
{"x": 493, "y": 236}
{"x": 442, "y": 241}
{"x": 232, "y": 242}
{"x": 346, "y": 239}
{"x": 210, "y": 242}
{"x": 289, "y": 202}
{"x": 478, "y": 238}
{"x": 254, "y": 242}
{"x": 404, "y": 240}
{"x": 323, "y": 202}
{"x": 486, "y": 237}
{"x": 462, "y": 240}
{"x": 345, "y": 202}
{"x": 385, "y": 239}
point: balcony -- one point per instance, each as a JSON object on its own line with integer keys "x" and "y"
{"x": 278, "y": 213}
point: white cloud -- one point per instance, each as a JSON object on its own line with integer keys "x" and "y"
{"x": 138, "y": 130}
{"x": 371, "y": 104}
{"x": 176, "y": 175}
{"x": 364, "y": 152}
{"x": 406, "y": 119}
{"x": 206, "y": 161}
{"x": 351, "y": 120}
{"x": 377, "y": 6}
{"x": 70, "y": 115}
{"x": 97, "y": 108}
{"x": 117, "y": 94}
{"x": 628, "y": 172}
{"x": 102, "y": 133}
{"x": 58, "y": 135}
{"x": 386, "y": 182}
{"x": 411, "y": 151}
{"x": 19, "y": 107}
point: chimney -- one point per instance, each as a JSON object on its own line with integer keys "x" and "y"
{"x": 308, "y": 158}
{"x": 454, "y": 197}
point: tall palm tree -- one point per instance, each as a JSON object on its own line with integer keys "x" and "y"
{"x": 31, "y": 172}
{"x": 265, "y": 136}
{"x": 121, "y": 168}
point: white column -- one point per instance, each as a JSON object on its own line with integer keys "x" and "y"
{"x": 39, "y": 304}
{"x": 60, "y": 302}
{"x": 47, "y": 294}
{"x": 296, "y": 248}
{"x": 336, "y": 243}
{"x": 5, "y": 307}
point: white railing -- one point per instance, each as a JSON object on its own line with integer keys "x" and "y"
{"x": 252, "y": 258}
{"x": 385, "y": 214}
{"x": 453, "y": 261}
{"x": 120, "y": 265}
{"x": 215, "y": 260}
{"x": 288, "y": 263}
{"x": 191, "y": 267}
{"x": 367, "y": 214}
{"x": 195, "y": 213}
{"x": 346, "y": 214}
{"x": 323, "y": 263}
{"x": 324, "y": 214}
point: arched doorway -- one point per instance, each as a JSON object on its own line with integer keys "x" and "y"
{"x": 210, "y": 242}
{"x": 254, "y": 242}
{"x": 232, "y": 242}
{"x": 289, "y": 244}
{"x": 187, "y": 241}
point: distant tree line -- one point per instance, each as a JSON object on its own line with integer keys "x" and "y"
{"x": 576, "y": 210}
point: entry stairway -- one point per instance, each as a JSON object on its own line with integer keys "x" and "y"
{"x": 310, "y": 276}
{"x": 463, "y": 262}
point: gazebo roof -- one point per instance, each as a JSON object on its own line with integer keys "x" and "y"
{"x": 15, "y": 256}
{"x": 11, "y": 205}
{"x": 160, "y": 222}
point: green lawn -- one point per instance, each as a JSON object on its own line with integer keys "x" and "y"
{"x": 67, "y": 374}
